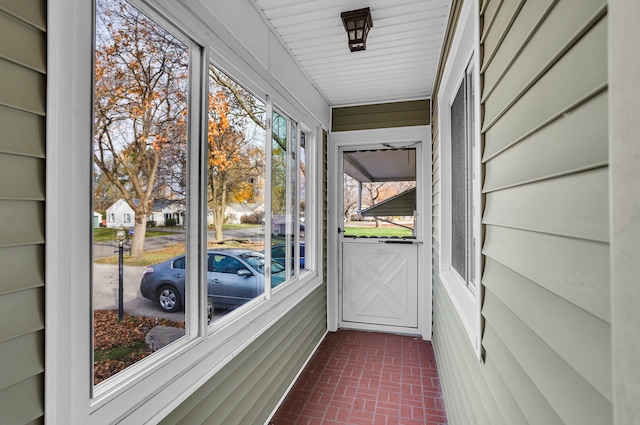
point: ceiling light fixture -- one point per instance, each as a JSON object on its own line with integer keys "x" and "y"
{"x": 357, "y": 23}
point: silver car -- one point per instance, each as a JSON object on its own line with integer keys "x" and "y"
{"x": 233, "y": 278}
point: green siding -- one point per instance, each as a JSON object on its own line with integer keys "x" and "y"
{"x": 384, "y": 115}
{"x": 247, "y": 389}
{"x": 22, "y": 141}
{"x": 546, "y": 306}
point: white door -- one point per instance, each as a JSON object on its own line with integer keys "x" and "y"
{"x": 379, "y": 241}
{"x": 380, "y": 282}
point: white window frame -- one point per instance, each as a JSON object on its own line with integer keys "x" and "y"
{"x": 463, "y": 55}
{"x": 149, "y": 390}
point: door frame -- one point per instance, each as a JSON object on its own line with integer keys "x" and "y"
{"x": 365, "y": 139}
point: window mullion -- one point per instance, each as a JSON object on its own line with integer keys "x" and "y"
{"x": 296, "y": 207}
{"x": 268, "y": 210}
{"x": 199, "y": 231}
{"x": 288, "y": 200}
{"x": 192, "y": 229}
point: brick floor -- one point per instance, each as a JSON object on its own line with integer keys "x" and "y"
{"x": 369, "y": 378}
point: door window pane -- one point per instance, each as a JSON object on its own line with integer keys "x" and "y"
{"x": 379, "y": 193}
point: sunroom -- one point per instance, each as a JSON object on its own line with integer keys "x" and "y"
{"x": 454, "y": 176}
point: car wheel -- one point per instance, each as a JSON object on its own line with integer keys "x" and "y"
{"x": 209, "y": 310}
{"x": 169, "y": 299}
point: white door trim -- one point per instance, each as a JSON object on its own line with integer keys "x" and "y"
{"x": 401, "y": 136}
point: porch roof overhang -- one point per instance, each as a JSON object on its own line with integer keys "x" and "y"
{"x": 403, "y": 204}
{"x": 384, "y": 165}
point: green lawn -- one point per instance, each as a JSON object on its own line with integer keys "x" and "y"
{"x": 380, "y": 231}
{"x": 237, "y": 226}
{"x": 105, "y": 234}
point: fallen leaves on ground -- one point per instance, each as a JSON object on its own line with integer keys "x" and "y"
{"x": 110, "y": 334}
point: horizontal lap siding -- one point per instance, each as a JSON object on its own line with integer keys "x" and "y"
{"x": 22, "y": 153}
{"x": 546, "y": 309}
{"x": 247, "y": 389}
{"x": 384, "y": 115}
{"x": 546, "y": 276}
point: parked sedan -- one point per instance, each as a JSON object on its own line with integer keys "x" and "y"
{"x": 233, "y": 278}
{"x": 278, "y": 254}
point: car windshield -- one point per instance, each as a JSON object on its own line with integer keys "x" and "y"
{"x": 256, "y": 260}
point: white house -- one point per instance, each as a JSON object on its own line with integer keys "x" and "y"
{"x": 97, "y": 219}
{"x": 121, "y": 214}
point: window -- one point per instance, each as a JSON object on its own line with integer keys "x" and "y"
{"x": 458, "y": 109}
{"x": 140, "y": 154}
{"x": 463, "y": 201}
{"x": 179, "y": 263}
{"x": 235, "y": 182}
{"x": 179, "y": 191}
{"x": 288, "y": 194}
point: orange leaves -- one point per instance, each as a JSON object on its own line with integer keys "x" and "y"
{"x": 110, "y": 334}
{"x": 242, "y": 192}
{"x": 218, "y": 114}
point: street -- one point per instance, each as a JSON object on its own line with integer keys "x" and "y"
{"x": 109, "y": 249}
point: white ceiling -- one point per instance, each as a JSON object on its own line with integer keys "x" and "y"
{"x": 402, "y": 53}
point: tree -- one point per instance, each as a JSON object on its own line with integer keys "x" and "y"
{"x": 141, "y": 79}
{"x": 236, "y": 153}
{"x": 350, "y": 193}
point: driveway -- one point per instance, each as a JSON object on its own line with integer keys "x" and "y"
{"x": 105, "y": 292}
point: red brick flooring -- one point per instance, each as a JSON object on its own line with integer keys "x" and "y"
{"x": 369, "y": 378}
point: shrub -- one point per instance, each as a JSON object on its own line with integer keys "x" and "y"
{"x": 255, "y": 218}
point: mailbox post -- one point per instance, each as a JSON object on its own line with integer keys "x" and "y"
{"x": 120, "y": 236}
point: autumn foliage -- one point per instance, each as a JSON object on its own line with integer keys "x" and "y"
{"x": 140, "y": 107}
{"x": 130, "y": 333}
{"x": 236, "y": 153}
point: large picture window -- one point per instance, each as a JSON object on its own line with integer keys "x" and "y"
{"x": 140, "y": 147}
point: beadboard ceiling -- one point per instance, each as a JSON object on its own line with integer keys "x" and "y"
{"x": 402, "y": 53}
